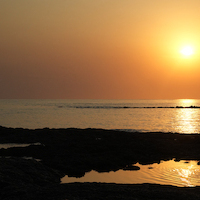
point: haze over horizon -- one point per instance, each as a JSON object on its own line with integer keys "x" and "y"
{"x": 106, "y": 49}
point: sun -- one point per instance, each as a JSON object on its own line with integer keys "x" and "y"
{"x": 187, "y": 51}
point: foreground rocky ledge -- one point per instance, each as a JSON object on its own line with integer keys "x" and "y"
{"x": 76, "y": 151}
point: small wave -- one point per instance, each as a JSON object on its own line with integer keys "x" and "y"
{"x": 130, "y": 130}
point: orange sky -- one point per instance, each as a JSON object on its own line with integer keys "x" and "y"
{"x": 106, "y": 49}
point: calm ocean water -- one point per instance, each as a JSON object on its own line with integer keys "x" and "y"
{"x": 129, "y": 115}
{"x": 182, "y": 116}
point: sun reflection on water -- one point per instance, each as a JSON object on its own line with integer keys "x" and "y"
{"x": 187, "y": 118}
{"x": 181, "y": 174}
{"x": 187, "y": 174}
{"x": 187, "y": 102}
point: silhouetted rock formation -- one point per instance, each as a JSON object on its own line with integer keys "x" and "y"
{"x": 131, "y": 168}
{"x": 76, "y": 151}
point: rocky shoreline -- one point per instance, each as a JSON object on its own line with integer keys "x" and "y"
{"x": 77, "y": 151}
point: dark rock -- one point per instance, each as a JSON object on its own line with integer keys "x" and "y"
{"x": 77, "y": 151}
{"x": 22, "y": 179}
{"x": 131, "y": 168}
{"x": 27, "y": 171}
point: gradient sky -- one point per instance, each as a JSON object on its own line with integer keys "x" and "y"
{"x": 104, "y": 49}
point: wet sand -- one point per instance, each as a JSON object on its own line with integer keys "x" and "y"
{"x": 77, "y": 151}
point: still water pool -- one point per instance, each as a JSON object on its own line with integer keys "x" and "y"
{"x": 181, "y": 174}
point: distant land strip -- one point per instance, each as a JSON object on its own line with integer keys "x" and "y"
{"x": 135, "y": 107}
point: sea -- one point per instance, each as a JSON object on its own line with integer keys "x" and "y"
{"x": 176, "y": 116}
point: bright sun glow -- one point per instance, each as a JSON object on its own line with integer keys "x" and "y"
{"x": 187, "y": 51}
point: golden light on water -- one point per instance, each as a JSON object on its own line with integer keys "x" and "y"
{"x": 186, "y": 125}
{"x": 187, "y": 102}
{"x": 181, "y": 174}
{"x": 184, "y": 120}
{"x": 187, "y": 173}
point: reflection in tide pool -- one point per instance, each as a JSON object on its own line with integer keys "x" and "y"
{"x": 187, "y": 174}
{"x": 181, "y": 174}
